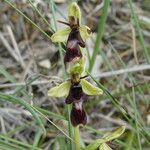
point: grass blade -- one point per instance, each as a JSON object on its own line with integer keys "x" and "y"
{"x": 135, "y": 19}
{"x": 101, "y": 27}
{"x": 16, "y": 100}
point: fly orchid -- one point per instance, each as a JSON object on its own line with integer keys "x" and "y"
{"x": 74, "y": 35}
{"x": 75, "y": 88}
{"x": 74, "y": 91}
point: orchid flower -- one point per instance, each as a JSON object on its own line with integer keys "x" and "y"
{"x": 74, "y": 17}
{"x": 74, "y": 93}
{"x": 74, "y": 35}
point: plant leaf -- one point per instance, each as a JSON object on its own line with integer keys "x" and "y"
{"x": 90, "y": 89}
{"x": 61, "y": 35}
{"x": 104, "y": 146}
{"x": 114, "y": 134}
{"x": 85, "y": 32}
{"x": 74, "y": 10}
{"x": 61, "y": 90}
{"x": 107, "y": 137}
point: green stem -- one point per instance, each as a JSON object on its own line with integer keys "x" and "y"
{"x": 70, "y": 128}
{"x": 77, "y": 138}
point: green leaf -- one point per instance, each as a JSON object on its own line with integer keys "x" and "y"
{"x": 74, "y": 10}
{"x": 60, "y": 90}
{"x": 90, "y": 89}
{"x": 114, "y": 134}
{"x": 104, "y": 146}
{"x": 61, "y": 35}
{"x": 107, "y": 137}
{"x": 85, "y": 32}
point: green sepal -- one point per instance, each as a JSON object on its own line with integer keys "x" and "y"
{"x": 90, "y": 89}
{"x": 74, "y": 11}
{"x": 61, "y": 90}
{"x": 104, "y": 146}
{"x": 61, "y": 35}
{"x": 107, "y": 137}
{"x": 85, "y": 32}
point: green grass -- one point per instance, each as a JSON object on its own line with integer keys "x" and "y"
{"x": 136, "y": 23}
{"x": 101, "y": 28}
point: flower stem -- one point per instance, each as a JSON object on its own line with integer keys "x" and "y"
{"x": 77, "y": 137}
{"x": 70, "y": 128}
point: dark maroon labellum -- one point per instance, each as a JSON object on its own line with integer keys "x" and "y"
{"x": 75, "y": 36}
{"x": 72, "y": 52}
{"x": 78, "y": 115}
{"x": 75, "y": 94}
{"x": 73, "y": 43}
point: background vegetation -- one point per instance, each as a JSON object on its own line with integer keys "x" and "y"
{"x": 118, "y": 55}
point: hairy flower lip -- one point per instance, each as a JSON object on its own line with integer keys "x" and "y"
{"x": 73, "y": 43}
{"x": 72, "y": 54}
{"x": 75, "y": 94}
{"x": 78, "y": 115}
{"x": 76, "y": 38}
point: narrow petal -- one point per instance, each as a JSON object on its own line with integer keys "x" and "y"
{"x": 85, "y": 32}
{"x": 74, "y": 11}
{"x": 90, "y": 89}
{"x": 61, "y": 35}
{"x": 60, "y": 90}
{"x": 78, "y": 115}
{"x": 104, "y": 146}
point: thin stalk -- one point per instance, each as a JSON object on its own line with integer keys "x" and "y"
{"x": 77, "y": 137}
{"x": 70, "y": 127}
{"x": 21, "y": 13}
{"x": 135, "y": 19}
{"x": 101, "y": 27}
{"x": 136, "y": 119}
{"x": 42, "y": 16}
